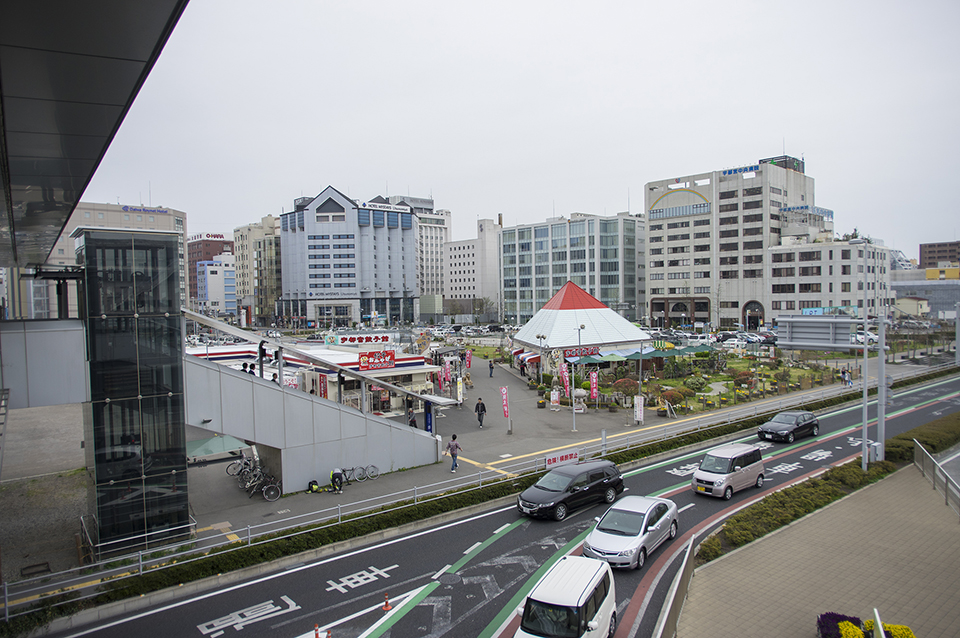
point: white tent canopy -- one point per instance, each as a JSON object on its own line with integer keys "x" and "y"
{"x": 560, "y": 319}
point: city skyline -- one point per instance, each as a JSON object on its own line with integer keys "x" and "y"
{"x": 540, "y": 110}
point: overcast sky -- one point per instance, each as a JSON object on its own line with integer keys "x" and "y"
{"x": 536, "y": 109}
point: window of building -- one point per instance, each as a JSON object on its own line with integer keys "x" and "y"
{"x": 810, "y": 271}
{"x": 728, "y": 194}
{"x": 725, "y": 221}
{"x": 754, "y": 204}
{"x": 729, "y": 247}
{"x": 783, "y": 289}
{"x": 729, "y": 232}
{"x": 756, "y": 190}
{"x": 753, "y": 259}
{"x": 752, "y": 245}
{"x": 701, "y": 248}
{"x": 729, "y": 274}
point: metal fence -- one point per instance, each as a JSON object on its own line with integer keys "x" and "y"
{"x": 934, "y": 472}
{"x": 82, "y": 582}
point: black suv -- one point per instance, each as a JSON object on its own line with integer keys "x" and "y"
{"x": 568, "y": 487}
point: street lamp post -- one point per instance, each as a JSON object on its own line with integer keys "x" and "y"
{"x": 540, "y": 338}
{"x": 573, "y": 381}
{"x": 863, "y": 379}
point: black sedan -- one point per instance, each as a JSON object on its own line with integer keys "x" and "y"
{"x": 787, "y": 426}
{"x": 568, "y": 487}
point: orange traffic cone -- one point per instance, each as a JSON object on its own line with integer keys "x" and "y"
{"x": 386, "y": 603}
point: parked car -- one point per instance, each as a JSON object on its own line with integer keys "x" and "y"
{"x": 787, "y": 426}
{"x": 568, "y": 487}
{"x": 734, "y": 344}
{"x": 728, "y": 469}
{"x": 631, "y": 529}
{"x": 576, "y": 597}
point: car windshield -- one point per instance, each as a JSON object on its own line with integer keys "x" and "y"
{"x": 544, "y": 619}
{"x": 621, "y": 523}
{"x": 554, "y": 482}
{"x": 715, "y": 464}
{"x": 783, "y": 418}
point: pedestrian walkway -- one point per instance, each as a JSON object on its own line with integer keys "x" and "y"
{"x": 893, "y": 546}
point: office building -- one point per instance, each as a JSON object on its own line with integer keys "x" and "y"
{"x": 217, "y": 287}
{"x": 932, "y": 255}
{"x": 928, "y": 293}
{"x": 737, "y": 247}
{"x": 257, "y": 252}
{"x": 203, "y": 248}
{"x": 472, "y": 274}
{"x": 602, "y": 255}
{"x": 347, "y": 262}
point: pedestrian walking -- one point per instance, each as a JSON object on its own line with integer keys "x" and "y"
{"x": 275, "y": 379}
{"x": 453, "y": 449}
{"x": 491, "y": 367}
{"x": 481, "y": 410}
{"x": 411, "y": 418}
{"x": 244, "y": 369}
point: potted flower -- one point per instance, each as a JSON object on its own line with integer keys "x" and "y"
{"x": 541, "y": 390}
{"x": 542, "y": 403}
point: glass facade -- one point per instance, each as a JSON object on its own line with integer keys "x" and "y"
{"x": 134, "y": 430}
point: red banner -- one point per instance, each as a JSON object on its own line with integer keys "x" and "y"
{"x": 565, "y": 377}
{"x": 322, "y": 389}
{"x": 506, "y": 403}
{"x": 377, "y": 360}
{"x": 469, "y": 357}
{"x": 593, "y": 384}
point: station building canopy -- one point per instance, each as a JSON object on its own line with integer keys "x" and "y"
{"x": 560, "y": 319}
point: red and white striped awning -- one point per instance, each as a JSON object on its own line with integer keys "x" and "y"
{"x": 516, "y": 351}
{"x": 530, "y": 357}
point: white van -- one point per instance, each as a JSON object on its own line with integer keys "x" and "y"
{"x": 576, "y": 598}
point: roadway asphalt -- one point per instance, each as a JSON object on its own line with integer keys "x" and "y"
{"x": 862, "y": 552}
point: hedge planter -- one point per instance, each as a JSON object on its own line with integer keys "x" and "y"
{"x": 612, "y": 408}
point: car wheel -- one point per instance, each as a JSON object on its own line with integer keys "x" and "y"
{"x": 673, "y": 530}
{"x": 641, "y": 558}
{"x": 560, "y": 512}
{"x": 790, "y": 438}
{"x": 759, "y": 483}
{"x": 610, "y": 495}
{"x": 727, "y": 493}
{"x": 613, "y": 625}
{"x": 816, "y": 430}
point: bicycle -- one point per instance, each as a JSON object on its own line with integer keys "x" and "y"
{"x": 243, "y": 463}
{"x": 273, "y": 489}
{"x": 361, "y": 474}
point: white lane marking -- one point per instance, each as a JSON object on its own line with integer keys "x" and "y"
{"x": 471, "y": 548}
{"x": 686, "y": 507}
{"x": 270, "y": 577}
{"x": 441, "y": 572}
{"x": 502, "y": 527}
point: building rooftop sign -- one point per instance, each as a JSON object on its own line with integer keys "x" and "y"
{"x": 742, "y": 169}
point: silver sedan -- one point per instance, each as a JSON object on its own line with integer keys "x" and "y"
{"x": 631, "y": 529}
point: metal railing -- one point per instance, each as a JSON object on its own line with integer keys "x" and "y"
{"x": 934, "y": 472}
{"x": 673, "y": 604}
{"x": 82, "y": 582}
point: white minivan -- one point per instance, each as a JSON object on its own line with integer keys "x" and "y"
{"x": 576, "y": 598}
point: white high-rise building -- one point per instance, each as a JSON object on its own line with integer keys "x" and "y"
{"x": 347, "y": 261}
{"x": 217, "y": 286}
{"x": 602, "y": 255}
{"x": 472, "y": 273}
{"x": 738, "y": 247}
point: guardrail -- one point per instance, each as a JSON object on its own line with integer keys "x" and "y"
{"x": 934, "y": 472}
{"x": 75, "y": 581}
{"x": 673, "y": 604}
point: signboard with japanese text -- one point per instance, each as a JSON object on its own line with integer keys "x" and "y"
{"x": 506, "y": 403}
{"x": 378, "y": 360}
{"x": 459, "y": 390}
{"x": 469, "y": 358}
{"x": 565, "y": 378}
{"x": 347, "y": 340}
{"x": 555, "y": 399}
{"x": 638, "y": 409}
{"x": 322, "y": 386}
{"x": 594, "y": 383}
{"x": 562, "y": 458}
{"x": 581, "y": 352}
